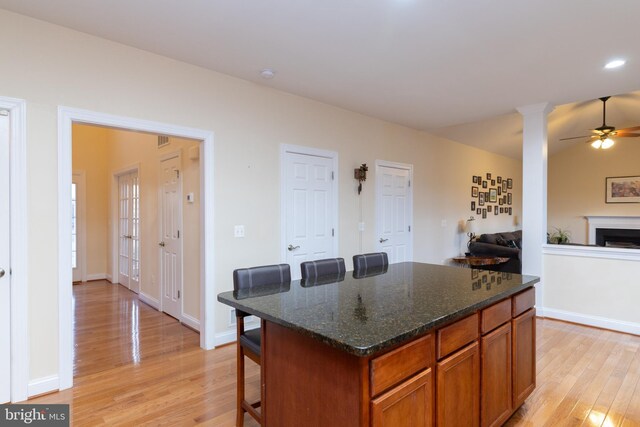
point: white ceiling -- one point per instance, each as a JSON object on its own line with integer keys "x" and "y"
{"x": 427, "y": 64}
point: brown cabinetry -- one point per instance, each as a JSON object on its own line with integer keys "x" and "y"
{"x": 524, "y": 356}
{"x": 409, "y": 404}
{"x": 475, "y": 371}
{"x": 458, "y": 388}
{"x": 496, "y": 376}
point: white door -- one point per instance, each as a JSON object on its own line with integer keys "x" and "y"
{"x": 309, "y": 209}
{"x": 394, "y": 211}
{"x": 77, "y": 249}
{"x": 170, "y": 244}
{"x": 5, "y": 330}
{"x": 129, "y": 231}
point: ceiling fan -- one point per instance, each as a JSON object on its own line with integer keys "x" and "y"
{"x": 601, "y": 137}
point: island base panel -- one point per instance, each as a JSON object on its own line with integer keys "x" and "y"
{"x": 308, "y": 383}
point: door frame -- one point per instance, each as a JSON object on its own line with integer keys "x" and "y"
{"x": 81, "y": 222}
{"x": 66, "y": 117}
{"x": 114, "y": 217}
{"x": 173, "y": 154}
{"x": 309, "y": 151}
{"x": 18, "y": 247}
{"x": 378, "y": 200}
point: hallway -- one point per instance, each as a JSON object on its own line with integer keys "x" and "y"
{"x": 136, "y": 366}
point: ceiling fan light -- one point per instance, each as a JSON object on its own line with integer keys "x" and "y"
{"x": 615, "y": 64}
{"x": 596, "y": 144}
{"x": 607, "y": 143}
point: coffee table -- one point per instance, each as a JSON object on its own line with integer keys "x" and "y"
{"x": 478, "y": 261}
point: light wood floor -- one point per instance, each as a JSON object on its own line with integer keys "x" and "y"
{"x": 135, "y": 366}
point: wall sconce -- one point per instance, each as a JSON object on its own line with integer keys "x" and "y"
{"x": 361, "y": 175}
{"x": 470, "y": 229}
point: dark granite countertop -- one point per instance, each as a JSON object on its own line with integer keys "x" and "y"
{"x": 368, "y": 315}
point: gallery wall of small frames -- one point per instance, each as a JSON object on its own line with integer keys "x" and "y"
{"x": 491, "y": 195}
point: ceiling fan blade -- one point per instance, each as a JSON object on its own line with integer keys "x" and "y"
{"x": 627, "y": 135}
{"x": 631, "y": 129}
{"x": 576, "y": 137}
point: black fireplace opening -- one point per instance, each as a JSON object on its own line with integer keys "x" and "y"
{"x": 618, "y": 238}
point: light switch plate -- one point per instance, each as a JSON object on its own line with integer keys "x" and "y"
{"x": 238, "y": 231}
{"x": 361, "y": 226}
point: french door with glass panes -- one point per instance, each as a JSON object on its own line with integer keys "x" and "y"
{"x": 129, "y": 230}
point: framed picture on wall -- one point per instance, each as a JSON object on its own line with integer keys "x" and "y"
{"x": 499, "y": 180}
{"x": 493, "y": 195}
{"x": 484, "y": 213}
{"x": 488, "y": 175}
{"x": 478, "y": 211}
{"x": 504, "y": 186}
{"x": 509, "y": 198}
{"x": 499, "y": 190}
{"x": 509, "y": 183}
{"x": 475, "y": 179}
{"x": 474, "y": 191}
{"x": 484, "y": 184}
{"x": 493, "y": 182}
{"x": 473, "y": 206}
{"x": 481, "y": 199}
{"x": 489, "y": 208}
{"x": 623, "y": 189}
{"x": 495, "y": 211}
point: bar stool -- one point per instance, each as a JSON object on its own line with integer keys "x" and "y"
{"x": 372, "y": 260}
{"x": 249, "y": 343}
{"x": 313, "y": 270}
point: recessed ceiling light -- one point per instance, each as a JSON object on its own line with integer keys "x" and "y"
{"x": 267, "y": 73}
{"x": 615, "y": 64}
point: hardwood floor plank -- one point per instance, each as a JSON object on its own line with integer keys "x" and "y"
{"x": 136, "y": 366}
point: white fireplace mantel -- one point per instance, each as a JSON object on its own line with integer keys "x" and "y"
{"x": 625, "y": 222}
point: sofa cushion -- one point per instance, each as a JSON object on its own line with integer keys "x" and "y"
{"x": 507, "y": 236}
{"x": 489, "y": 238}
{"x": 502, "y": 242}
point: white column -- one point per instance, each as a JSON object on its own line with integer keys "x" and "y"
{"x": 534, "y": 191}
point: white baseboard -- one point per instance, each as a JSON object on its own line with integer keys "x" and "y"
{"x": 109, "y": 277}
{"x": 43, "y": 385}
{"x": 191, "y": 322}
{"x": 597, "y": 321}
{"x": 96, "y": 276}
{"x": 149, "y": 300}
{"x": 224, "y": 338}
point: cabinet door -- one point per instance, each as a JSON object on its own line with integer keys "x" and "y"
{"x": 496, "y": 376}
{"x": 458, "y": 388}
{"x": 408, "y": 404}
{"x": 524, "y": 356}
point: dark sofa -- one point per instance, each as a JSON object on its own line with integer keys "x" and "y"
{"x": 500, "y": 245}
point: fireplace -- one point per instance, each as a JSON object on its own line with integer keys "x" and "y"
{"x": 614, "y": 231}
{"x": 618, "y": 238}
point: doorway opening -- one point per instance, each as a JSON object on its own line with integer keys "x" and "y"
{"x": 146, "y": 239}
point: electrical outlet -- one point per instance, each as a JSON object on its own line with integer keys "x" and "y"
{"x": 361, "y": 226}
{"x": 238, "y": 231}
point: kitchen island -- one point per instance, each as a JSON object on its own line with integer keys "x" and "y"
{"x": 416, "y": 345}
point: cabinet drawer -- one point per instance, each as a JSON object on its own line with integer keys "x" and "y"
{"x": 496, "y": 315}
{"x": 524, "y": 301}
{"x": 393, "y": 367}
{"x": 457, "y": 335}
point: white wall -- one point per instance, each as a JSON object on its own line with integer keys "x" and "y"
{"x": 583, "y": 286}
{"x": 51, "y": 66}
